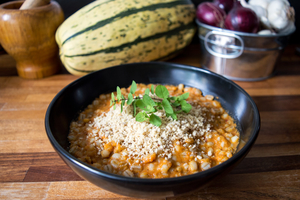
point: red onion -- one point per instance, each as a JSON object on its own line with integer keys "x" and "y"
{"x": 211, "y": 14}
{"x": 242, "y": 19}
{"x": 226, "y": 5}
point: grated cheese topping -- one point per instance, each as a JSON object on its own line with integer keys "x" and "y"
{"x": 143, "y": 138}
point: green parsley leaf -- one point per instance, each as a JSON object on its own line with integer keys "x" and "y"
{"x": 178, "y": 111}
{"x": 140, "y": 117}
{"x": 133, "y": 87}
{"x": 152, "y": 89}
{"x": 148, "y": 100}
{"x": 183, "y": 97}
{"x": 172, "y": 98}
{"x": 130, "y": 99}
{"x": 149, "y": 106}
{"x": 122, "y": 102}
{"x": 147, "y": 91}
{"x": 185, "y": 107}
{"x": 162, "y": 92}
{"x": 113, "y": 100}
{"x": 112, "y": 96}
{"x": 144, "y": 106}
{"x": 167, "y": 106}
{"x": 173, "y": 115}
{"x": 119, "y": 94}
{"x": 155, "y": 120}
{"x": 175, "y": 104}
{"x": 134, "y": 107}
{"x": 140, "y": 103}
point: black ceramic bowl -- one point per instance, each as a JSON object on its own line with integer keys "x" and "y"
{"x": 75, "y": 97}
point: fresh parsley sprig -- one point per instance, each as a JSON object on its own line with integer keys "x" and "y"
{"x": 149, "y": 106}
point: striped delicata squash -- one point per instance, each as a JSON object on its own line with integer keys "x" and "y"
{"x": 112, "y": 32}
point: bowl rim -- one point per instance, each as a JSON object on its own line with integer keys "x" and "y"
{"x": 242, "y": 152}
{"x": 200, "y": 24}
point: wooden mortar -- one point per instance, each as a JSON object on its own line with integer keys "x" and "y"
{"x": 28, "y": 35}
{"x": 28, "y": 4}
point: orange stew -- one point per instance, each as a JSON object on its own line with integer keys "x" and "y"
{"x": 113, "y": 141}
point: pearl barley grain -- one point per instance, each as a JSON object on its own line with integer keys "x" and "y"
{"x": 115, "y": 142}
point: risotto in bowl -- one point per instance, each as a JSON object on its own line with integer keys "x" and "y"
{"x": 152, "y": 129}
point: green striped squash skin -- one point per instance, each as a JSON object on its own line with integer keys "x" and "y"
{"x": 112, "y": 32}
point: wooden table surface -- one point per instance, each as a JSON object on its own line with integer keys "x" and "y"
{"x": 31, "y": 169}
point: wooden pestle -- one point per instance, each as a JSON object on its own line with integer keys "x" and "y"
{"x": 33, "y": 3}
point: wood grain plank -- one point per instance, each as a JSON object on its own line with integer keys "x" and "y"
{"x": 275, "y": 82}
{"x": 272, "y": 92}
{"x": 25, "y": 146}
{"x": 50, "y": 174}
{"x": 268, "y": 164}
{"x": 22, "y": 129}
{"x": 289, "y": 62}
{"x": 7, "y": 65}
{"x": 3, "y": 81}
{"x": 24, "y": 190}
{"x": 255, "y": 89}
{"x": 2, "y": 105}
{"x": 22, "y": 114}
{"x": 47, "y": 98}
{"x": 15, "y": 82}
{"x": 252, "y": 181}
{"x": 190, "y": 56}
{"x": 248, "y": 165}
{"x": 15, "y": 167}
{"x": 274, "y": 86}
{"x": 265, "y": 185}
{"x": 277, "y": 103}
{"x": 56, "y": 190}
{"x": 80, "y": 190}
{"x": 65, "y": 78}
{"x": 292, "y": 69}
{"x": 30, "y": 159}
{"x": 15, "y": 106}
{"x": 48, "y": 167}
{"x": 13, "y": 174}
{"x": 15, "y": 97}
{"x": 264, "y": 193}
{"x": 7, "y": 91}
{"x": 57, "y": 81}
{"x": 268, "y": 150}
{"x": 279, "y": 127}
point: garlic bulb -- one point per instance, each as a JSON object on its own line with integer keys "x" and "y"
{"x": 260, "y": 11}
{"x": 266, "y": 32}
{"x": 275, "y": 15}
{"x": 280, "y": 14}
{"x": 288, "y": 29}
{"x": 262, "y": 3}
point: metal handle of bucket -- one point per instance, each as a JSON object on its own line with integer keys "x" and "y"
{"x": 238, "y": 49}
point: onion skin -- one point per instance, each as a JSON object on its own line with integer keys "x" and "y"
{"x": 242, "y": 19}
{"x": 226, "y": 5}
{"x": 211, "y": 14}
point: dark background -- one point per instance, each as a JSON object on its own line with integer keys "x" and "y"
{"x": 71, "y": 6}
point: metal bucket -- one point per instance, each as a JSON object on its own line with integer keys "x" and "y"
{"x": 240, "y": 56}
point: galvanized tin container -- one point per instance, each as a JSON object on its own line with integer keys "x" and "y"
{"x": 240, "y": 56}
